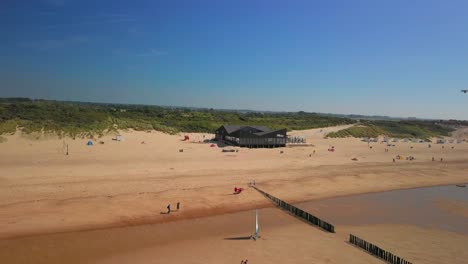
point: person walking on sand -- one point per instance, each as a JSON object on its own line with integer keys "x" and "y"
{"x": 178, "y": 206}
{"x": 169, "y": 208}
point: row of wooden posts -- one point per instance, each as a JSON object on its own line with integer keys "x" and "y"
{"x": 376, "y": 251}
{"x": 299, "y": 212}
{"x": 369, "y": 247}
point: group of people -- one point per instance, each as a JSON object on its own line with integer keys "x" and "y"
{"x": 398, "y": 157}
{"x": 453, "y": 147}
{"x": 244, "y": 261}
{"x": 412, "y": 158}
{"x": 169, "y": 207}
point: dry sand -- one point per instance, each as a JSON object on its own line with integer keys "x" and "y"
{"x": 121, "y": 184}
{"x": 460, "y": 134}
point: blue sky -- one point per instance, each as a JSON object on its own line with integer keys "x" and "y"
{"x": 396, "y": 58}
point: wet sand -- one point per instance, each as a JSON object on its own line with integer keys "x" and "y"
{"x": 217, "y": 239}
{"x": 381, "y": 218}
{"x": 415, "y": 244}
{"x": 422, "y": 207}
{"x": 423, "y": 225}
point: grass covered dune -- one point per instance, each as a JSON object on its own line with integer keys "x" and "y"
{"x": 84, "y": 119}
{"x": 396, "y": 129}
{"x": 81, "y": 119}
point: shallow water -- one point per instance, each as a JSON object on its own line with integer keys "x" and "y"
{"x": 442, "y": 207}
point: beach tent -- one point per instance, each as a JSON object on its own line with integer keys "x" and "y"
{"x": 90, "y": 143}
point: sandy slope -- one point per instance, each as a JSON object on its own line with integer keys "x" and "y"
{"x": 460, "y": 134}
{"x": 128, "y": 183}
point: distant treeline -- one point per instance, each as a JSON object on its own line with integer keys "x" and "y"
{"x": 396, "y": 129}
{"x": 81, "y": 119}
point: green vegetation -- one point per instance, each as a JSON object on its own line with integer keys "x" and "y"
{"x": 8, "y": 127}
{"x": 357, "y": 131}
{"x": 396, "y": 129}
{"x": 83, "y": 119}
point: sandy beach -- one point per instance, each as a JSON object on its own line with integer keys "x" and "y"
{"x": 107, "y": 200}
{"x": 321, "y": 132}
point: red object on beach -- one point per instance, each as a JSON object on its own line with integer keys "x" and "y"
{"x": 212, "y": 145}
{"x": 186, "y": 138}
{"x": 238, "y": 190}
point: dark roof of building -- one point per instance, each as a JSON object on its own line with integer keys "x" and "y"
{"x": 233, "y": 128}
{"x": 263, "y": 128}
{"x": 263, "y": 133}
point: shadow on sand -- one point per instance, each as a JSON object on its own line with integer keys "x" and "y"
{"x": 238, "y": 238}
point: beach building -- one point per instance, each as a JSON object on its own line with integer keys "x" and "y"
{"x": 251, "y": 136}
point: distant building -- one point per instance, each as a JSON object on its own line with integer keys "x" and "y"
{"x": 251, "y": 136}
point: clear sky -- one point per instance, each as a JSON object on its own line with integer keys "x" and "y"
{"x": 397, "y": 58}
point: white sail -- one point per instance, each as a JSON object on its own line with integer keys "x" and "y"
{"x": 256, "y": 221}
{"x": 255, "y": 235}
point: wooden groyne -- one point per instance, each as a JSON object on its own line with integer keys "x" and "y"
{"x": 376, "y": 251}
{"x": 299, "y": 212}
